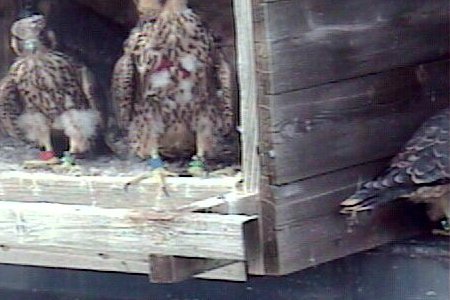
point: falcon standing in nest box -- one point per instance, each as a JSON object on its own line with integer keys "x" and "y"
{"x": 420, "y": 172}
{"x": 45, "y": 90}
{"x": 172, "y": 87}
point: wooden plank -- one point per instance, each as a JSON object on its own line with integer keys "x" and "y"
{"x": 117, "y": 240}
{"x": 385, "y": 225}
{"x": 338, "y": 125}
{"x": 108, "y": 192}
{"x": 318, "y": 41}
{"x": 53, "y": 259}
{"x": 329, "y": 182}
{"x": 248, "y": 94}
{"x": 267, "y": 232}
{"x": 41, "y": 257}
{"x": 321, "y": 195}
{"x": 172, "y": 269}
{"x": 120, "y": 232}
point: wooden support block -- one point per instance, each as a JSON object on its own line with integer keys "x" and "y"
{"x": 171, "y": 269}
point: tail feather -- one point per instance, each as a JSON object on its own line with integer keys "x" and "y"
{"x": 389, "y": 187}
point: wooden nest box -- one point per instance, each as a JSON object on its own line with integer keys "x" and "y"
{"x": 329, "y": 91}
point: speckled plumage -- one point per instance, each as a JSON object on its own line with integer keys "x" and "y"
{"x": 172, "y": 86}
{"x": 420, "y": 172}
{"x": 46, "y": 90}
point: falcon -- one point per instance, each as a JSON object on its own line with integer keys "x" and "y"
{"x": 420, "y": 173}
{"x": 172, "y": 87}
{"x": 45, "y": 90}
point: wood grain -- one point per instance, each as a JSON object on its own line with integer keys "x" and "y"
{"x": 319, "y": 41}
{"x": 54, "y": 259}
{"x": 119, "y": 236}
{"x": 108, "y": 192}
{"x": 248, "y": 94}
{"x": 320, "y": 196}
{"x": 314, "y": 242}
{"x": 347, "y": 123}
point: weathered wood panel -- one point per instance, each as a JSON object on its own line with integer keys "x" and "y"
{"x": 123, "y": 238}
{"x": 122, "y": 231}
{"x": 347, "y": 123}
{"x": 108, "y": 192}
{"x": 323, "y": 239}
{"x": 54, "y": 259}
{"x": 319, "y": 196}
{"x": 248, "y": 94}
{"x": 318, "y": 41}
{"x": 266, "y": 212}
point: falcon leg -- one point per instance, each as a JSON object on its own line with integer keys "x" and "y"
{"x": 445, "y": 231}
{"x": 159, "y": 172}
{"x": 197, "y": 166}
{"x": 46, "y": 158}
{"x": 37, "y": 130}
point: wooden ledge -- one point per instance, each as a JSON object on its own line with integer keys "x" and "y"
{"x": 94, "y": 238}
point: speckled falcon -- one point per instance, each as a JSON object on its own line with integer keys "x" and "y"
{"x": 172, "y": 86}
{"x": 46, "y": 90}
{"x": 420, "y": 172}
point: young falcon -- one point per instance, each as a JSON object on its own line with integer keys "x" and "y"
{"x": 124, "y": 86}
{"x": 179, "y": 97}
{"x": 420, "y": 173}
{"x": 45, "y": 90}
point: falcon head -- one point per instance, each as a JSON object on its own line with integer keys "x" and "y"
{"x": 174, "y": 6}
{"x": 148, "y": 8}
{"x": 30, "y": 34}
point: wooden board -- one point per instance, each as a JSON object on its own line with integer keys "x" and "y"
{"x": 108, "y": 192}
{"x": 347, "y": 123}
{"x": 248, "y": 94}
{"x": 319, "y": 41}
{"x": 323, "y": 239}
{"x": 319, "y": 196}
{"x": 123, "y": 238}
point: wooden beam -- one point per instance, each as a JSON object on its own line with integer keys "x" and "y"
{"x": 314, "y": 42}
{"x": 108, "y": 192}
{"x": 172, "y": 269}
{"x": 116, "y": 232}
{"x": 248, "y": 93}
{"x": 51, "y": 258}
{"x": 121, "y": 240}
